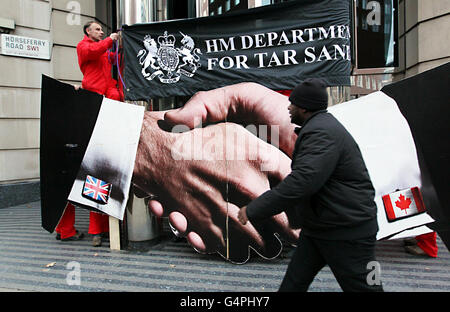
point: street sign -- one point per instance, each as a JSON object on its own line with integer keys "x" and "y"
{"x": 25, "y": 47}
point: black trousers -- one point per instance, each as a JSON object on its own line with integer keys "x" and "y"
{"x": 348, "y": 260}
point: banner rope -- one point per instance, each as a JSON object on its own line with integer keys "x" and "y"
{"x": 115, "y": 48}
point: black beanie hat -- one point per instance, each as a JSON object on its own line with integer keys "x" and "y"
{"x": 311, "y": 94}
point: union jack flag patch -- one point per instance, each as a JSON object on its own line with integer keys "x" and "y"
{"x": 96, "y": 189}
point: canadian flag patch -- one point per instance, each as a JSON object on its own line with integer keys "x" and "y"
{"x": 403, "y": 204}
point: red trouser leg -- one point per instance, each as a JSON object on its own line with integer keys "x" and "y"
{"x": 98, "y": 223}
{"x": 427, "y": 242}
{"x": 114, "y": 94}
{"x": 66, "y": 226}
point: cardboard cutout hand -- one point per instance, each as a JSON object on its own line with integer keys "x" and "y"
{"x": 247, "y": 104}
{"x": 201, "y": 187}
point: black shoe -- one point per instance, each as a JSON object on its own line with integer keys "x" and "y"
{"x": 58, "y": 236}
{"x": 415, "y": 250}
{"x": 410, "y": 242}
{"x": 77, "y": 236}
{"x": 97, "y": 240}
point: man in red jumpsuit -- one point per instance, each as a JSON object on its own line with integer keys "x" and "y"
{"x": 95, "y": 63}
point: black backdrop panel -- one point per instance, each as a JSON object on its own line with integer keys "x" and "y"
{"x": 67, "y": 120}
{"x": 424, "y": 101}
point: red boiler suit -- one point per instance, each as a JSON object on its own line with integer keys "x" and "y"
{"x": 95, "y": 64}
{"x": 427, "y": 242}
{"x": 96, "y": 67}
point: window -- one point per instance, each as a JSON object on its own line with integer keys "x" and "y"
{"x": 223, "y": 6}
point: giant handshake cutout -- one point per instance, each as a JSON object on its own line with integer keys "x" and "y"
{"x": 207, "y": 159}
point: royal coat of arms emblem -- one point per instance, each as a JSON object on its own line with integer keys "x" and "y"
{"x": 164, "y": 62}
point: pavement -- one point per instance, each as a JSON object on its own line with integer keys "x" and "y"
{"x": 32, "y": 260}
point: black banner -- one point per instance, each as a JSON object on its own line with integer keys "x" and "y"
{"x": 277, "y": 46}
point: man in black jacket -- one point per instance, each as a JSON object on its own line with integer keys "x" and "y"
{"x": 330, "y": 193}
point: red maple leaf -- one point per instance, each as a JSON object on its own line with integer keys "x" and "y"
{"x": 403, "y": 203}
